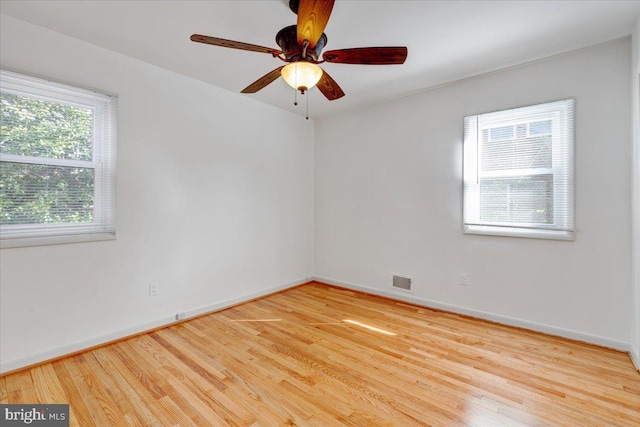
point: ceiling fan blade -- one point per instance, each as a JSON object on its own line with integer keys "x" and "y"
{"x": 263, "y": 81}
{"x": 329, "y": 87}
{"x": 367, "y": 55}
{"x": 233, "y": 44}
{"x": 313, "y": 16}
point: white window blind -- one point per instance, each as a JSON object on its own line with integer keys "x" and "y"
{"x": 519, "y": 172}
{"x": 57, "y": 162}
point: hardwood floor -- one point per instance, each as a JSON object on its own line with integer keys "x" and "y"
{"x": 317, "y": 355}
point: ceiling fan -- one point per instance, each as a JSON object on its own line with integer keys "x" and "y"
{"x": 300, "y": 47}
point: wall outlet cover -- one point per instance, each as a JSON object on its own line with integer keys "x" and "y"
{"x": 154, "y": 289}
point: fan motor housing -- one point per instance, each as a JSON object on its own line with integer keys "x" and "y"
{"x": 287, "y": 39}
{"x": 293, "y": 5}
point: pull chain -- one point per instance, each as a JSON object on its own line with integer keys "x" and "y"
{"x": 307, "y": 105}
{"x": 295, "y": 100}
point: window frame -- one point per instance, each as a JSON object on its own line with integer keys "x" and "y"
{"x": 563, "y": 227}
{"x": 103, "y": 163}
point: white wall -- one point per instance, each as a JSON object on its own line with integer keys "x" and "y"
{"x": 388, "y": 196}
{"x": 214, "y": 202}
{"x": 635, "y": 196}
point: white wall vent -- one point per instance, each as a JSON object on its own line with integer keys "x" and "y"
{"x": 401, "y": 282}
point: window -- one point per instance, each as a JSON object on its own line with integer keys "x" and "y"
{"x": 57, "y": 162}
{"x": 518, "y": 172}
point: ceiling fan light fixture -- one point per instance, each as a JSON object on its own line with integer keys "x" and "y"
{"x": 301, "y": 45}
{"x": 301, "y": 75}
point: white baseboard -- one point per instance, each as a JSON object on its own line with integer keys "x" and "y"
{"x": 634, "y": 353}
{"x": 498, "y": 318}
{"x": 33, "y": 359}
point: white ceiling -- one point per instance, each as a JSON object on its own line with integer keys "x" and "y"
{"x": 446, "y": 40}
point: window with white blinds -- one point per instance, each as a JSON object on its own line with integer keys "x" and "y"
{"x": 519, "y": 172}
{"x": 57, "y": 162}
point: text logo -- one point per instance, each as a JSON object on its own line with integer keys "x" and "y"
{"x": 34, "y": 415}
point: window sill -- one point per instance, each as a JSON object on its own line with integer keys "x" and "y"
{"x": 55, "y": 240}
{"x": 519, "y": 232}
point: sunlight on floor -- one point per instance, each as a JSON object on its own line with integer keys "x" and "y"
{"x": 364, "y": 325}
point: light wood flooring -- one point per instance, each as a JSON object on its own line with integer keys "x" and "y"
{"x": 308, "y": 356}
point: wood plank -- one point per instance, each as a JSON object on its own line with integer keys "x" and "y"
{"x": 47, "y": 385}
{"x": 78, "y": 412}
{"x": 20, "y": 388}
{"x": 4, "y": 394}
{"x": 291, "y": 359}
{"x": 142, "y": 400}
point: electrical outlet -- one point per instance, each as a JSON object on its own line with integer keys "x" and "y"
{"x": 181, "y": 315}
{"x": 463, "y": 279}
{"x": 154, "y": 289}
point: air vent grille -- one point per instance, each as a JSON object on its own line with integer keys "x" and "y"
{"x": 403, "y": 283}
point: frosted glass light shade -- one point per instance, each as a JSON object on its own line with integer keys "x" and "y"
{"x": 301, "y": 75}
